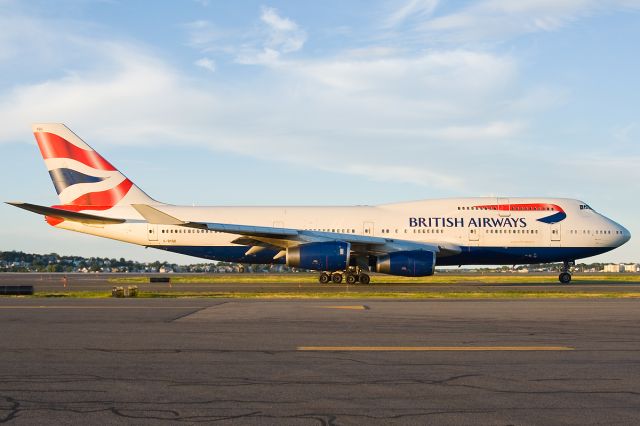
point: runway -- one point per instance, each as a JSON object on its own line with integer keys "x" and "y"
{"x": 319, "y": 362}
{"x": 54, "y": 283}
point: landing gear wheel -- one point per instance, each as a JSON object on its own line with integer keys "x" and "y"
{"x": 324, "y": 278}
{"x": 565, "y": 272}
{"x": 364, "y": 279}
{"x": 336, "y": 277}
{"x": 564, "y": 278}
{"x": 352, "y": 279}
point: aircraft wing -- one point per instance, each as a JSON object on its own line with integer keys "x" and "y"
{"x": 66, "y": 214}
{"x": 267, "y": 236}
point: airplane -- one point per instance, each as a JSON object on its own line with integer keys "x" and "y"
{"x": 342, "y": 243}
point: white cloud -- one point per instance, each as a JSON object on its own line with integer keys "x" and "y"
{"x": 406, "y": 174}
{"x": 266, "y": 56}
{"x": 434, "y": 74}
{"x": 425, "y": 118}
{"x": 499, "y": 19}
{"x": 206, "y": 63}
{"x": 352, "y": 117}
{"x": 202, "y": 33}
{"x": 625, "y": 134}
{"x": 282, "y": 36}
{"x": 419, "y": 9}
{"x": 273, "y": 39}
{"x": 130, "y": 97}
{"x": 272, "y": 19}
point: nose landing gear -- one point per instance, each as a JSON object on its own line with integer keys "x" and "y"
{"x": 565, "y": 275}
{"x": 564, "y": 278}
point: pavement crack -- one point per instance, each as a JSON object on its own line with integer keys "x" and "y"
{"x": 190, "y": 313}
{"x": 14, "y": 409}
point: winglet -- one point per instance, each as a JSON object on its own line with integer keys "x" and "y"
{"x": 155, "y": 216}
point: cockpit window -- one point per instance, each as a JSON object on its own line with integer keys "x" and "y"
{"x": 585, "y": 207}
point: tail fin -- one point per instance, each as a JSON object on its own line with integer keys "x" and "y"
{"x": 83, "y": 179}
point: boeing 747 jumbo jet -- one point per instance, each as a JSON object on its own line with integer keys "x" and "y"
{"x": 407, "y": 239}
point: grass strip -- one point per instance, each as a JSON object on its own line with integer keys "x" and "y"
{"x": 437, "y": 279}
{"x": 354, "y": 295}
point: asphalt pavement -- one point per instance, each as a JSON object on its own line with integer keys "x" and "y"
{"x": 322, "y": 362}
{"x": 45, "y": 283}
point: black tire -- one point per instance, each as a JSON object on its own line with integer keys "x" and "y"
{"x": 352, "y": 279}
{"x": 324, "y": 278}
{"x": 364, "y": 279}
{"x": 564, "y": 278}
{"x": 336, "y": 278}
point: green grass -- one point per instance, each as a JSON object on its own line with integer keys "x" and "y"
{"x": 357, "y": 295}
{"x": 437, "y": 279}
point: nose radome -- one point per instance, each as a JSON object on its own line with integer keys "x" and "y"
{"x": 623, "y": 234}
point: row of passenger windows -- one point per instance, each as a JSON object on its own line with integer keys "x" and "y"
{"x": 596, "y": 232}
{"x": 512, "y": 231}
{"x": 511, "y": 208}
{"x": 341, "y": 231}
{"x": 415, "y": 231}
{"x": 186, "y": 231}
{"x": 488, "y": 231}
{"x": 353, "y": 231}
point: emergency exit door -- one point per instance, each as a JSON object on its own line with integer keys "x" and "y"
{"x": 368, "y": 228}
{"x": 555, "y": 232}
{"x": 152, "y": 232}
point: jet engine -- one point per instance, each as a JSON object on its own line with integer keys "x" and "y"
{"x": 324, "y": 256}
{"x": 414, "y": 263}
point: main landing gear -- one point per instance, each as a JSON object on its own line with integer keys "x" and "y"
{"x": 565, "y": 275}
{"x": 351, "y": 276}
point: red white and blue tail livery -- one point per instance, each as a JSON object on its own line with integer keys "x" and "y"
{"x": 81, "y": 176}
{"x": 407, "y": 239}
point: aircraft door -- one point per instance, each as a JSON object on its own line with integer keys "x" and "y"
{"x": 474, "y": 236}
{"x": 152, "y": 232}
{"x": 368, "y": 229}
{"x": 504, "y": 208}
{"x": 555, "y": 232}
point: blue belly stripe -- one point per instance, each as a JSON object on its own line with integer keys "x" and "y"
{"x": 470, "y": 255}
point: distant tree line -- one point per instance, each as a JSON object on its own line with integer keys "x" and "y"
{"x": 17, "y": 261}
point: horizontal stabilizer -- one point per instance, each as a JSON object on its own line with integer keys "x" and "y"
{"x": 67, "y": 215}
{"x": 155, "y": 216}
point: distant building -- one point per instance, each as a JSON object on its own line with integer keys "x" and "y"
{"x": 631, "y": 267}
{"x": 614, "y": 267}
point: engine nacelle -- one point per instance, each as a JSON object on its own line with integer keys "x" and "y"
{"x": 414, "y": 263}
{"x": 325, "y": 256}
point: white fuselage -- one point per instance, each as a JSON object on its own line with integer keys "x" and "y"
{"x": 472, "y": 223}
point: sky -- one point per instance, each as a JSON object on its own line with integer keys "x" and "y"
{"x": 212, "y": 102}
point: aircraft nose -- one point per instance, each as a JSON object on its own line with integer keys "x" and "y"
{"x": 626, "y": 235}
